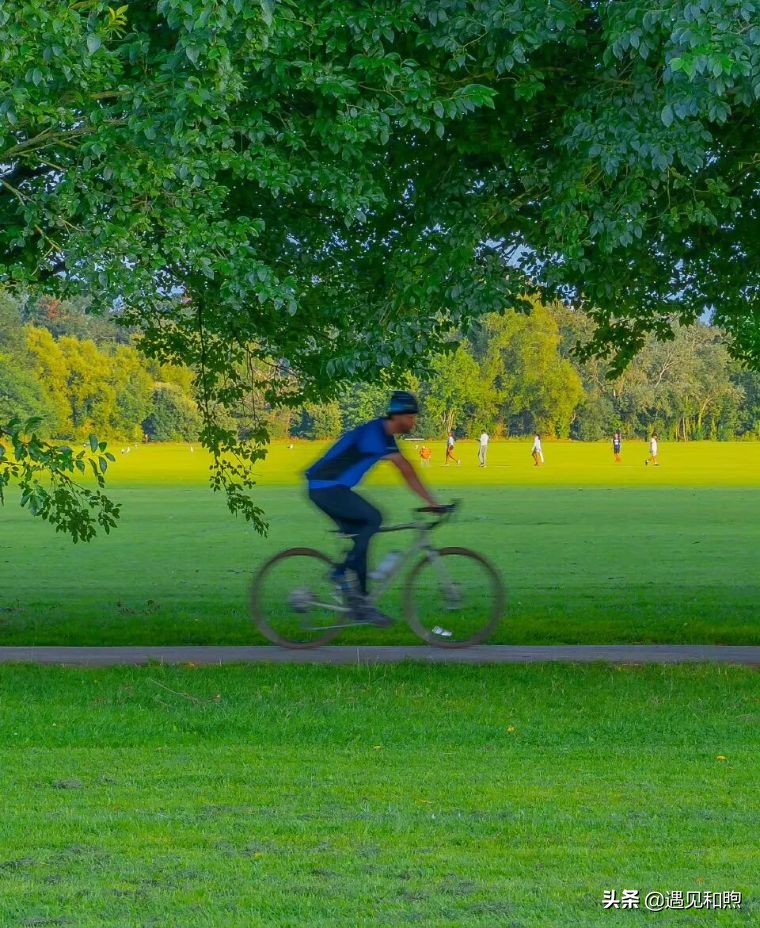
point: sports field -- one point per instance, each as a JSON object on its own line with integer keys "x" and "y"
{"x": 591, "y": 551}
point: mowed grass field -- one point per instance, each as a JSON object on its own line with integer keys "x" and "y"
{"x": 591, "y": 551}
{"x": 247, "y": 796}
{"x": 239, "y": 797}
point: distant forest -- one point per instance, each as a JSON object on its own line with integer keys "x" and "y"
{"x": 515, "y": 374}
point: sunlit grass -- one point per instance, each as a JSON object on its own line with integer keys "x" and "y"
{"x": 618, "y": 553}
{"x": 509, "y": 463}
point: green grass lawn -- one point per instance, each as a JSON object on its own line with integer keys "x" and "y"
{"x": 238, "y": 797}
{"x": 590, "y": 551}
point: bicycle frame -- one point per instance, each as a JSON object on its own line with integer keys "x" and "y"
{"x": 421, "y": 545}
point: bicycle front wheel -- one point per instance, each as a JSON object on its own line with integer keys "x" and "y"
{"x": 294, "y": 602}
{"x": 454, "y": 598}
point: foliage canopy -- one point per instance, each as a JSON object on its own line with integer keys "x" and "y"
{"x": 333, "y": 188}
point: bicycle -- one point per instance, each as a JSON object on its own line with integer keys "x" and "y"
{"x": 452, "y": 597}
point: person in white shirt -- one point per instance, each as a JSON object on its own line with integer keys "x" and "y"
{"x": 483, "y": 450}
{"x": 450, "y": 456}
{"x": 538, "y": 454}
{"x": 652, "y": 459}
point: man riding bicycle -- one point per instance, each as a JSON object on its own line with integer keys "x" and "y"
{"x": 331, "y": 480}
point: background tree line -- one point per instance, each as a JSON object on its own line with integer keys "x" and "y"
{"x": 83, "y": 374}
{"x": 515, "y": 374}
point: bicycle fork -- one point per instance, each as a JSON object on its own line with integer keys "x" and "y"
{"x": 449, "y": 588}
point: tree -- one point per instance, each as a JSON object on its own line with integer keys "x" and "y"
{"x": 173, "y": 416}
{"x": 70, "y": 317}
{"x": 42, "y": 472}
{"x": 530, "y": 387}
{"x": 320, "y": 420}
{"x": 89, "y": 390}
{"x": 345, "y": 188}
{"x": 597, "y": 415}
{"x": 684, "y": 387}
{"x": 51, "y": 371}
{"x": 363, "y": 401}
{"x": 604, "y": 111}
{"x": 21, "y": 394}
{"x": 133, "y": 388}
{"x": 749, "y": 412}
{"x": 452, "y": 392}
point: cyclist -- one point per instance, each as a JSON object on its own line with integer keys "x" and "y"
{"x": 331, "y": 480}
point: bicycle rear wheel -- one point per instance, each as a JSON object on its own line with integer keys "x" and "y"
{"x": 294, "y": 602}
{"x": 454, "y": 598}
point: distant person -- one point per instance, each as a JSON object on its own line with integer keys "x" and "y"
{"x": 450, "y": 456}
{"x": 537, "y": 451}
{"x": 425, "y": 455}
{"x": 617, "y": 444}
{"x": 483, "y": 449}
{"x": 652, "y": 459}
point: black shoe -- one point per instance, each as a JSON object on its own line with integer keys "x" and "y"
{"x": 370, "y": 615}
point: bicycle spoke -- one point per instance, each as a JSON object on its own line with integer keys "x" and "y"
{"x": 294, "y": 601}
{"x": 454, "y": 598}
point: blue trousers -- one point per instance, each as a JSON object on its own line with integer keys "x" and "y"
{"x": 354, "y": 516}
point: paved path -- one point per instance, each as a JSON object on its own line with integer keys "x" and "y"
{"x": 483, "y": 654}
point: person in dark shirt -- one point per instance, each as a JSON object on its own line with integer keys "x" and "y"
{"x": 332, "y": 478}
{"x": 617, "y": 444}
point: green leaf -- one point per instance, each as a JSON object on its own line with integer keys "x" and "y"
{"x": 93, "y": 439}
{"x": 267, "y": 10}
{"x": 93, "y": 43}
{"x": 667, "y": 115}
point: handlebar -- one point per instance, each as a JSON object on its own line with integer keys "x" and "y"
{"x": 443, "y": 512}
